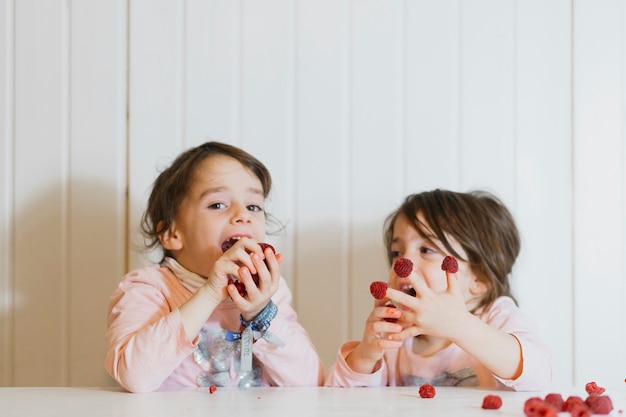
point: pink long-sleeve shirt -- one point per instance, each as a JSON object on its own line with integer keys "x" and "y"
{"x": 148, "y": 348}
{"x": 452, "y": 366}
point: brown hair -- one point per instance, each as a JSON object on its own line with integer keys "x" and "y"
{"x": 478, "y": 221}
{"x": 172, "y": 185}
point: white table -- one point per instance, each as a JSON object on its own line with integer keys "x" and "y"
{"x": 270, "y": 402}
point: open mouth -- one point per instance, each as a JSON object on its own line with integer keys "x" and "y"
{"x": 408, "y": 289}
{"x": 229, "y": 243}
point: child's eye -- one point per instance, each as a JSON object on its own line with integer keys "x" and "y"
{"x": 426, "y": 250}
{"x": 395, "y": 253}
{"x": 254, "y": 207}
{"x": 217, "y": 206}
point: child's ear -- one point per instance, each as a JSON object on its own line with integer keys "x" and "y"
{"x": 478, "y": 287}
{"x": 171, "y": 239}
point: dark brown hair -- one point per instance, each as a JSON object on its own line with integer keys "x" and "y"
{"x": 172, "y": 185}
{"x": 478, "y": 221}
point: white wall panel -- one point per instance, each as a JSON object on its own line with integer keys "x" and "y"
{"x": 322, "y": 166}
{"x": 432, "y": 157}
{"x": 41, "y": 179}
{"x": 376, "y": 140}
{"x": 543, "y": 153}
{"x": 598, "y": 141}
{"x": 97, "y": 199}
{"x": 211, "y": 68}
{"x": 487, "y": 71}
{"x": 6, "y": 193}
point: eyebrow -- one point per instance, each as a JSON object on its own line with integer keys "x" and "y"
{"x": 213, "y": 190}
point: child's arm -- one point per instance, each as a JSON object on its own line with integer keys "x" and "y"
{"x": 146, "y": 340}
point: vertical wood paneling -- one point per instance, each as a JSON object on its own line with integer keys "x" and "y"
{"x": 211, "y": 70}
{"x": 432, "y": 157}
{"x": 598, "y": 212}
{"x": 321, "y": 222}
{"x": 376, "y": 134}
{"x": 543, "y": 177}
{"x": 98, "y": 180}
{"x": 6, "y": 193}
{"x": 155, "y": 82}
{"x": 351, "y": 105}
{"x": 487, "y": 106}
{"x": 41, "y": 193}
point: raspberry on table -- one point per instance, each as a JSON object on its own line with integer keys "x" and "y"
{"x": 378, "y": 289}
{"x": 450, "y": 264}
{"x": 556, "y": 400}
{"x": 212, "y": 389}
{"x": 403, "y": 267}
{"x": 571, "y": 402}
{"x": 599, "y": 404}
{"x": 580, "y": 410}
{"x": 593, "y": 388}
{"x": 536, "y": 407}
{"x": 492, "y": 402}
{"x": 427, "y": 391}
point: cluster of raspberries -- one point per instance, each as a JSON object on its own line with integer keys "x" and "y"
{"x": 255, "y": 277}
{"x": 551, "y": 405}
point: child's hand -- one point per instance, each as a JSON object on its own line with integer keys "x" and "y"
{"x": 267, "y": 266}
{"x": 365, "y": 357}
{"x": 431, "y": 313}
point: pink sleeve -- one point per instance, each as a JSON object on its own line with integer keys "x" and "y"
{"x": 537, "y": 360}
{"x": 146, "y": 341}
{"x": 297, "y": 363}
{"x": 341, "y": 375}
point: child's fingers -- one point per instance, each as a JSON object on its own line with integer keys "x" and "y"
{"x": 419, "y": 285}
{"x": 453, "y": 282}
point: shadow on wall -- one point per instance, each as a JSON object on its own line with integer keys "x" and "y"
{"x": 333, "y": 269}
{"x": 69, "y": 252}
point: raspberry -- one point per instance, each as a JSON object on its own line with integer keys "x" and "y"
{"x": 536, "y": 407}
{"x": 580, "y": 410}
{"x": 427, "y": 391}
{"x": 212, "y": 389}
{"x": 492, "y": 402}
{"x": 599, "y": 404}
{"x": 571, "y": 402}
{"x": 593, "y": 388}
{"x": 450, "y": 264}
{"x": 556, "y": 400}
{"x": 378, "y": 289}
{"x": 403, "y": 267}
{"x": 241, "y": 288}
{"x": 263, "y": 246}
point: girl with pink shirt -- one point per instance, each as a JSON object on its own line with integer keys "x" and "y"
{"x": 449, "y": 329}
{"x": 215, "y": 311}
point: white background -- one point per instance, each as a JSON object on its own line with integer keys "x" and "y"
{"x": 352, "y": 104}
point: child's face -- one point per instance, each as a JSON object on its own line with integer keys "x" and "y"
{"x": 426, "y": 256}
{"x": 225, "y": 200}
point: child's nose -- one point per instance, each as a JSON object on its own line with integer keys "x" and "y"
{"x": 241, "y": 214}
